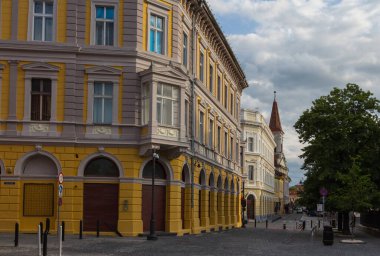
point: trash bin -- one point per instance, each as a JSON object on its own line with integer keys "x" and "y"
{"x": 328, "y": 235}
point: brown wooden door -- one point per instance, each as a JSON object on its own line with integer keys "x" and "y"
{"x": 100, "y": 202}
{"x": 160, "y": 206}
{"x": 183, "y": 207}
{"x": 250, "y": 208}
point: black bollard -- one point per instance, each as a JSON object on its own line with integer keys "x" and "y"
{"x": 80, "y": 229}
{"x": 97, "y": 228}
{"x": 44, "y": 247}
{"x": 266, "y": 224}
{"x": 319, "y": 223}
{"x": 284, "y": 227}
{"x": 255, "y": 222}
{"x": 63, "y": 231}
{"x": 47, "y": 230}
{"x": 16, "y": 234}
{"x": 303, "y": 225}
{"x": 42, "y": 232}
{"x": 311, "y": 224}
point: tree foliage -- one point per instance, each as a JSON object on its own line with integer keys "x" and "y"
{"x": 341, "y": 134}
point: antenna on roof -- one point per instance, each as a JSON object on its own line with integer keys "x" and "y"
{"x": 275, "y": 95}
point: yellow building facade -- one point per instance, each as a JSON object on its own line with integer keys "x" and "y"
{"x": 94, "y": 89}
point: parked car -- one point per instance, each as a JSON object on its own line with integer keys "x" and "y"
{"x": 299, "y": 210}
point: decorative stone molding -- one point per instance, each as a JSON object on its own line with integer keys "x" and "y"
{"x": 167, "y": 132}
{"x": 106, "y": 130}
{"x": 38, "y": 128}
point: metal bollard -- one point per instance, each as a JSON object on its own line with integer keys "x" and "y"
{"x": 303, "y": 225}
{"x": 16, "y": 234}
{"x": 60, "y": 240}
{"x": 284, "y": 227}
{"x": 97, "y": 228}
{"x": 47, "y": 230}
{"x": 63, "y": 231}
{"x": 42, "y": 232}
{"x": 266, "y": 224}
{"x": 319, "y": 223}
{"x": 255, "y": 222}
{"x": 80, "y": 229}
{"x": 44, "y": 248}
{"x": 311, "y": 224}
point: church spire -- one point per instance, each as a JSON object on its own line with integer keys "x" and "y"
{"x": 275, "y": 122}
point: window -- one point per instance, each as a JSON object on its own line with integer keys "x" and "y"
{"x": 219, "y": 138}
{"x": 211, "y": 79}
{"x": 250, "y": 144}
{"x": 103, "y": 92}
{"x": 250, "y": 172}
{"x": 225, "y": 96}
{"x": 105, "y": 25}
{"x": 156, "y": 34}
{"x": 201, "y": 127}
{"x": 167, "y": 97}
{"x": 219, "y": 88}
{"x": 43, "y": 20}
{"x": 184, "y": 50}
{"x": 232, "y": 104}
{"x": 41, "y": 100}
{"x": 145, "y": 102}
{"x": 237, "y": 152}
{"x": 201, "y": 66}
{"x": 225, "y": 144}
{"x": 231, "y": 147}
{"x": 211, "y": 133}
{"x": 187, "y": 117}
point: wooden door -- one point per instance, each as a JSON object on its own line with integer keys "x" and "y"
{"x": 250, "y": 208}
{"x": 100, "y": 203}
{"x": 160, "y": 206}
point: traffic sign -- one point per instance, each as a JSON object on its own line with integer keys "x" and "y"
{"x": 60, "y": 190}
{"x": 323, "y": 191}
{"x": 60, "y": 202}
{"x": 60, "y": 177}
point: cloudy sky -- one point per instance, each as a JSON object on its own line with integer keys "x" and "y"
{"x": 301, "y": 49}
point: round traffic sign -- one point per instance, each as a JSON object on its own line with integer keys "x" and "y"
{"x": 60, "y": 190}
{"x": 323, "y": 191}
{"x": 60, "y": 177}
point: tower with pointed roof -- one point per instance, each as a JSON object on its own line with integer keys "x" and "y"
{"x": 282, "y": 178}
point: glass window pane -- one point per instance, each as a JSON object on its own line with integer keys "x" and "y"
{"x": 97, "y": 110}
{"x": 152, "y": 40}
{"x": 108, "y": 111}
{"x": 167, "y": 112}
{"x": 109, "y": 33}
{"x": 159, "y": 89}
{"x": 159, "y": 23}
{"x": 35, "y": 107}
{"x": 99, "y": 12}
{"x": 99, "y": 33}
{"x": 38, "y": 7}
{"x": 152, "y": 20}
{"x": 159, "y": 110}
{"x": 108, "y": 90}
{"x": 37, "y": 28}
{"x": 167, "y": 91}
{"x": 36, "y": 85}
{"x": 48, "y": 29}
{"x": 46, "y": 103}
{"x": 48, "y": 8}
{"x": 109, "y": 13}
{"x": 159, "y": 42}
{"x": 98, "y": 89}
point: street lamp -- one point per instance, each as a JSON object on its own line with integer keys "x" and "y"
{"x": 152, "y": 234}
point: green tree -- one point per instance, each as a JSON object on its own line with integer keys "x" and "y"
{"x": 337, "y": 129}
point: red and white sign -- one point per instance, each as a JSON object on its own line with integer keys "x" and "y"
{"x": 60, "y": 177}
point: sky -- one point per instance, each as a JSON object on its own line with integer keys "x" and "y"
{"x": 302, "y": 49}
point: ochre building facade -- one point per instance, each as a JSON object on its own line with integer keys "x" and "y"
{"x": 93, "y": 89}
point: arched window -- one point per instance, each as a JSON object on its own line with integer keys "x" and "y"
{"x": 211, "y": 180}
{"x": 202, "y": 177}
{"x": 159, "y": 171}
{"x": 219, "y": 183}
{"x": 226, "y": 184}
{"x": 101, "y": 167}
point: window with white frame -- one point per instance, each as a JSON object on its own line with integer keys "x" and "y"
{"x": 156, "y": 34}
{"x": 219, "y": 89}
{"x": 184, "y": 49}
{"x": 145, "y": 103}
{"x": 211, "y": 133}
{"x": 201, "y": 66}
{"x": 211, "y": 79}
{"x": 201, "y": 127}
{"x": 250, "y": 144}
{"x": 102, "y": 109}
{"x": 40, "y": 100}
{"x": 43, "y": 20}
{"x": 167, "y": 104}
{"x": 104, "y": 25}
{"x": 250, "y": 172}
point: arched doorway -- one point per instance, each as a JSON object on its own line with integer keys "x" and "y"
{"x": 101, "y": 200}
{"x": 219, "y": 205}
{"x": 202, "y": 184}
{"x": 232, "y": 202}
{"x": 159, "y": 196}
{"x": 185, "y": 177}
{"x": 251, "y": 207}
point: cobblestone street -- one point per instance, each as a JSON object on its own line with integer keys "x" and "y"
{"x": 249, "y": 241}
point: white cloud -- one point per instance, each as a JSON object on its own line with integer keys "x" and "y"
{"x": 302, "y": 49}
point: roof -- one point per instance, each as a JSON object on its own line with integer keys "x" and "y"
{"x": 275, "y": 121}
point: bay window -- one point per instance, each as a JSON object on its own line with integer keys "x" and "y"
{"x": 167, "y": 104}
